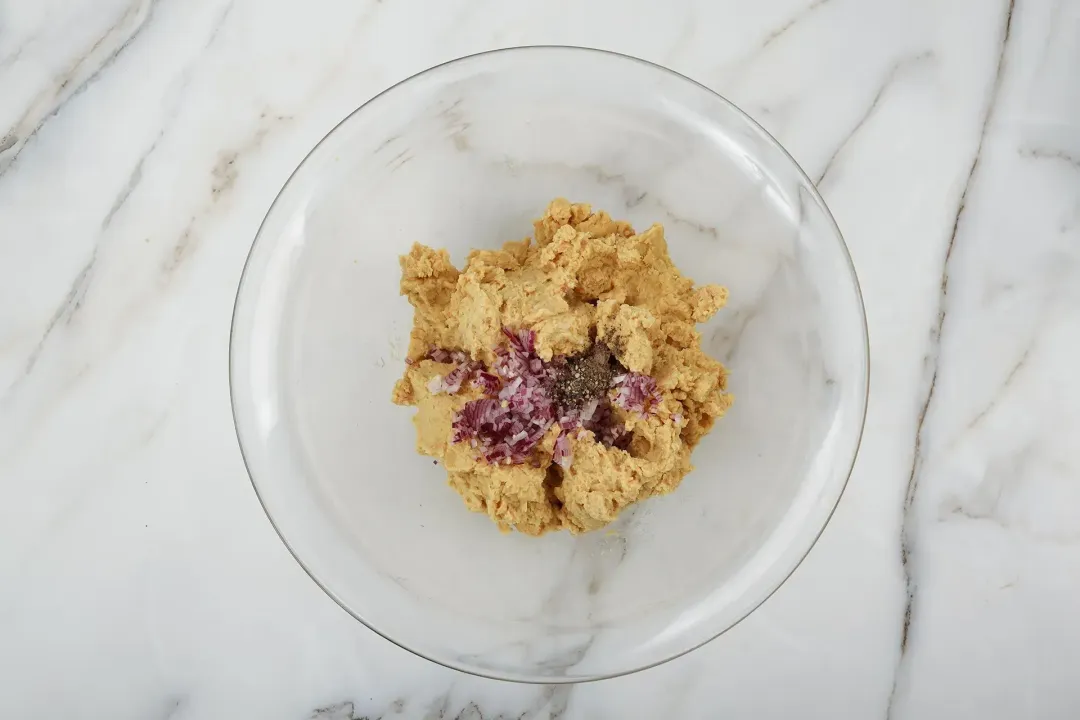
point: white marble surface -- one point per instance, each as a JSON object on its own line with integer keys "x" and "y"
{"x": 142, "y": 142}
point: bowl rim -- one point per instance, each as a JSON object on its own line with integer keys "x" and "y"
{"x": 815, "y": 195}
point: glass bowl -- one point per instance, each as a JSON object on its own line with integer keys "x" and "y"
{"x": 466, "y": 155}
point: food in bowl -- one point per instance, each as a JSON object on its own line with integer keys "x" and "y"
{"x": 560, "y": 379}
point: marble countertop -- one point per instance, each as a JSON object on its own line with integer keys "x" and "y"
{"x": 141, "y": 142}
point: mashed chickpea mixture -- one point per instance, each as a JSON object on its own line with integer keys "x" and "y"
{"x": 560, "y": 379}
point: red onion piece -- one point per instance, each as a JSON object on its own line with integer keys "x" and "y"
{"x": 636, "y": 392}
{"x": 563, "y": 455}
{"x": 506, "y": 426}
{"x": 488, "y": 383}
{"x": 507, "y": 429}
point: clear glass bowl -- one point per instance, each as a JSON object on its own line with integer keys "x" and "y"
{"x": 465, "y": 155}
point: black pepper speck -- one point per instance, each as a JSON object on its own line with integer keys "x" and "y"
{"x": 585, "y": 377}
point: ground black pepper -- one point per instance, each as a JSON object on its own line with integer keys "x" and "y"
{"x": 585, "y": 377}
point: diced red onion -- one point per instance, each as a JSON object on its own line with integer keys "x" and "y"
{"x": 476, "y": 417}
{"x": 563, "y": 456}
{"x": 454, "y": 379}
{"x": 522, "y": 341}
{"x": 507, "y": 392}
{"x": 465, "y": 370}
{"x": 507, "y": 429}
{"x": 588, "y": 410}
{"x": 636, "y": 392}
{"x": 488, "y": 383}
{"x": 570, "y": 420}
{"x": 506, "y": 426}
{"x": 442, "y": 355}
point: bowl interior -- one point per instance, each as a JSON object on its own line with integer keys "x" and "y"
{"x": 464, "y": 156}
